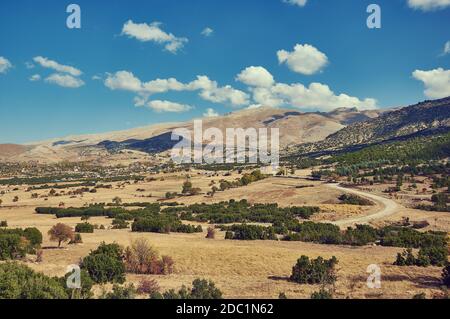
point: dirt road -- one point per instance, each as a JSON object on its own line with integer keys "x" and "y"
{"x": 388, "y": 207}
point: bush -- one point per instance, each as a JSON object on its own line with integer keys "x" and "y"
{"x": 121, "y": 292}
{"x": 105, "y": 264}
{"x": 84, "y": 228}
{"x": 148, "y": 286}
{"x": 16, "y": 243}
{"x": 119, "y": 223}
{"x": 315, "y": 271}
{"x": 251, "y": 232}
{"x": 433, "y": 255}
{"x": 20, "y": 282}
{"x": 86, "y": 285}
{"x": 211, "y": 233}
{"x": 352, "y": 199}
{"x": 201, "y": 289}
{"x": 322, "y": 294}
{"x": 142, "y": 258}
{"x": 76, "y": 240}
{"x": 3, "y": 223}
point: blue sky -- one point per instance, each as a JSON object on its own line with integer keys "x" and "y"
{"x": 325, "y": 43}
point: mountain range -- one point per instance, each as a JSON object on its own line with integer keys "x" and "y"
{"x": 300, "y": 133}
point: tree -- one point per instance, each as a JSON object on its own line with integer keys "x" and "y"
{"x": 187, "y": 187}
{"x": 61, "y": 233}
{"x": 315, "y": 271}
{"x": 20, "y": 282}
{"x": 105, "y": 264}
{"x": 117, "y": 200}
{"x": 211, "y": 233}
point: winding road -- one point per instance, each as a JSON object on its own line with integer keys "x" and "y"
{"x": 389, "y": 207}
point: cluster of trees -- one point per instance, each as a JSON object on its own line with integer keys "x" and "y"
{"x": 394, "y": 236}
{"x": 201, "y": 289}
{"x": 249, "y": 232}
{"x": 427, "y": 256}
{"x": 233, "y": 211}
{"x": 314, "y": 271}
{"x": 440, "y": 203}
{"x": 16, "y": 243}
{"x": 352, "y": 199}
{"x": 245, "y": 180}
{"x": 163, "y": 223}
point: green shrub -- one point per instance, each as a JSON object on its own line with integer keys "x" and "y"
{"x": 84, "y": 228}
{"x": 20, "y": 282}
{"x": 251, "y": 232}
{"x": 121, "y": 292}
{"x": 315, "y": 271}
{"x": 322, "y": 294}
{"x": 119, "y": 223}
{"x": 352, "y": 199}
{"x": 201, "y": 289}
{"x": 105, "y": 264}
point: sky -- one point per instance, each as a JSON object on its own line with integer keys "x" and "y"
{"x": 135, "y": 63}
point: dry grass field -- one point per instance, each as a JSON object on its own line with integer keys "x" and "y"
{"x": 241, "y": 269}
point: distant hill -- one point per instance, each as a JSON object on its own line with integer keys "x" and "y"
{"x": 426, "y": 118}
{"x": 10, "y": 150}
{"x": 295, "y": 128}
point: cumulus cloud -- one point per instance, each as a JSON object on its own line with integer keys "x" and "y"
{"x": 153, "y": 33}
{"x": 5, "y": 65}
{"x": 256, "y": 76}
{"x": 210, "y": 113}
{"x": 167, "y": 106}
{"x": 65, "y": 80}
{"x": 300, "y": 3}
{"x": 427, "y": 5}
{"x": 437, "y": 82}
{"x": 305, "y": 59}
{"x": 50, "y": 64}
{"x": 35, "y": 78}
{"x": 208, "y": 90}
{"x": 315, "y": 96}
{"x": 207, "y": 32}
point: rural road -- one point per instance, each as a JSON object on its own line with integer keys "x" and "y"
{"x": 388, "y": 207}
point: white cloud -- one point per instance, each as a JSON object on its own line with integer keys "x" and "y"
{"x": 153, "y": 33}
{"x": 427, "y": 5}
{"x": 316, "y": 96}
{"x": 207, "y": 32}
{"x": 256, "y": 76}
{"x": 96, "y": 78}
{"x": 5, "y": 65}
{"x": 437, "y": 82}
{"x": 123, "y": 80}
{"x": 167, "y": 106}
{"x": 305, "y": 59}
{"x": 210, "y": 113}
{"x": 447, "y": 48}
{"x": 208, "y": 90}
{"x": 300, "y": 3}
{"x": 35, "y": 78}
{"x": 65, "y": 80}
{"x": 46, "y": 63}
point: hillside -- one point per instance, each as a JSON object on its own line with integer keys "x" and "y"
{"x": 412, "y": 121}
{"x": 295, "y": 128}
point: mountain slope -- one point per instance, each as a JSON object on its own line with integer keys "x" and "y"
{"x": 419, "y": 119}
{"x": 295, "y": 128}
